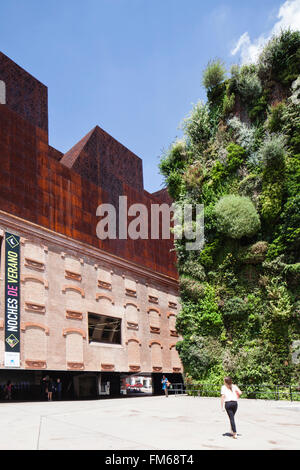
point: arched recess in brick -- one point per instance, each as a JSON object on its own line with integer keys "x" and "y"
{"x": 131, "y": 310}
{"x": 35, "y": 289}
{"x": 79, "y": 331}
{"x": 133, "y": 348}
{"x": 74, "y": 347}
{"x": 32, "y": 277}
{"x": 73, "y": 268}
{"x": 105, "y": 297}
{"x": 156, "y": 354}
{"x": 154, "y": 317}
{"x": 69, "y": 287}
{"x": 34, "y": 255}
{"x": 106, "y": 304}
{"x": 172, "y": 321}
{"x": 175, "y": 359}
{"x": 35, "y": 340}
{"x": 73, "y": 297}
{"x": 104, "y": 277}
{"x": 29, "y": 324}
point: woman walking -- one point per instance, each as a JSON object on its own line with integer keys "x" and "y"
{"x": 230, "y": 394}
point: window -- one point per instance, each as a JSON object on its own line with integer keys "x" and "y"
{"x": 103, "y": 329}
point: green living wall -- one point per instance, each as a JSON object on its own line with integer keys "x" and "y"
{"x": 240, "y": 157}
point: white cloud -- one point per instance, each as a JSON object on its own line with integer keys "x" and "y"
{"x": 288, "y": 17}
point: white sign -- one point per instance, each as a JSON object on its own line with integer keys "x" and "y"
{"x": 12, "y": 359}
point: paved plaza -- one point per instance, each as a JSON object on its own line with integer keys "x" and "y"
{"x": 148, "y": 423}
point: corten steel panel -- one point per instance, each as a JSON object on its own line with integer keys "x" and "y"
{"x": 24, "y": 93}
{"x": 53, "y": 153}
{"x": 40, "y": 189}
{"x": 98, "y": 157}
{"x": 163, "y": 196}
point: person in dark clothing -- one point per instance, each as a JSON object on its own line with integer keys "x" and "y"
{"x": 46, "y": 385}
{"x": 51, "y": 389}
{"x": 8, "y": 390}
{"x": 58, "y": 389}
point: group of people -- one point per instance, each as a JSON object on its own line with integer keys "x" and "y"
{"x": 230, "y": 394}
{"x": 51, "y": 387}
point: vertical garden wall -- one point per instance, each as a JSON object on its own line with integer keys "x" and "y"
{"x": 240, "y": 157}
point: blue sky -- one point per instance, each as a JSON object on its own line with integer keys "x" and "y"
{"x": 133, "y": 67}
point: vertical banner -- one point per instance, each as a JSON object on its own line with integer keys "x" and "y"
{"x": 12, "y": 300}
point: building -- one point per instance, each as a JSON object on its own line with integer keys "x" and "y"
{"x": 86, "y": 310}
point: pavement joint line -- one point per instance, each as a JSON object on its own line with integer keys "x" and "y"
{"x": 89, "y": 431}
{"x": 38, "y": 439}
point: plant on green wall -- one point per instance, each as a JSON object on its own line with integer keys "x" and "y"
{"x": 237, "y": 217}
{"x": 214, "y": 74}
{"x": 246, "y": 82}
{"x": 280, "y": 59}
{"x": 197, "y": 126}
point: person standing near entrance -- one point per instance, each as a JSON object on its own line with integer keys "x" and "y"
{"x": 51, "y": 389}
{"x": 8, "y": 390}
{"x": 58, "y": 389}
{"x": 45, "y": 386}
{"x": 230, "y": 394}
{"x": 165, "y": 385}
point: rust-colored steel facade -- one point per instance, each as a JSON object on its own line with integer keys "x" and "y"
{"x": 62, "y": 192}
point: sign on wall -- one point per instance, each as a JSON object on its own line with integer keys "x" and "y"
{"x": 12, "y": 300}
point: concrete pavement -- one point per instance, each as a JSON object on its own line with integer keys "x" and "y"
{"x": 148, "y": 423}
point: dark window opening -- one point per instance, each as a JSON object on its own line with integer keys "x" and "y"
{"x": 103, "y": 329}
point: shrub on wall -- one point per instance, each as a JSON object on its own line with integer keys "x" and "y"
{"x": 251, "y": 186}
{"x": 271, "y": 201}
{"x": 175, "y": 158}
{"x": 191, "y": 289}
{"x": 274, "y": 122}
{"x": 214, "y": 74}
{"x": 243, "y": 133}
{"x": 197, "y": 125}
{"x": 272, "y": 151}
{"x": 280, "y": 58}
{"x": 194, "y": 269}
{"x": 237, "y": 217}
{"x": 228, "y": 103}
{"x": 254, "y": 254}
{"x": 247, "y": 82}
{"x": 235, "y": 157}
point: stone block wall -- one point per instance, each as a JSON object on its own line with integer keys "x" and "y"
{"x": 61, "y": 285}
